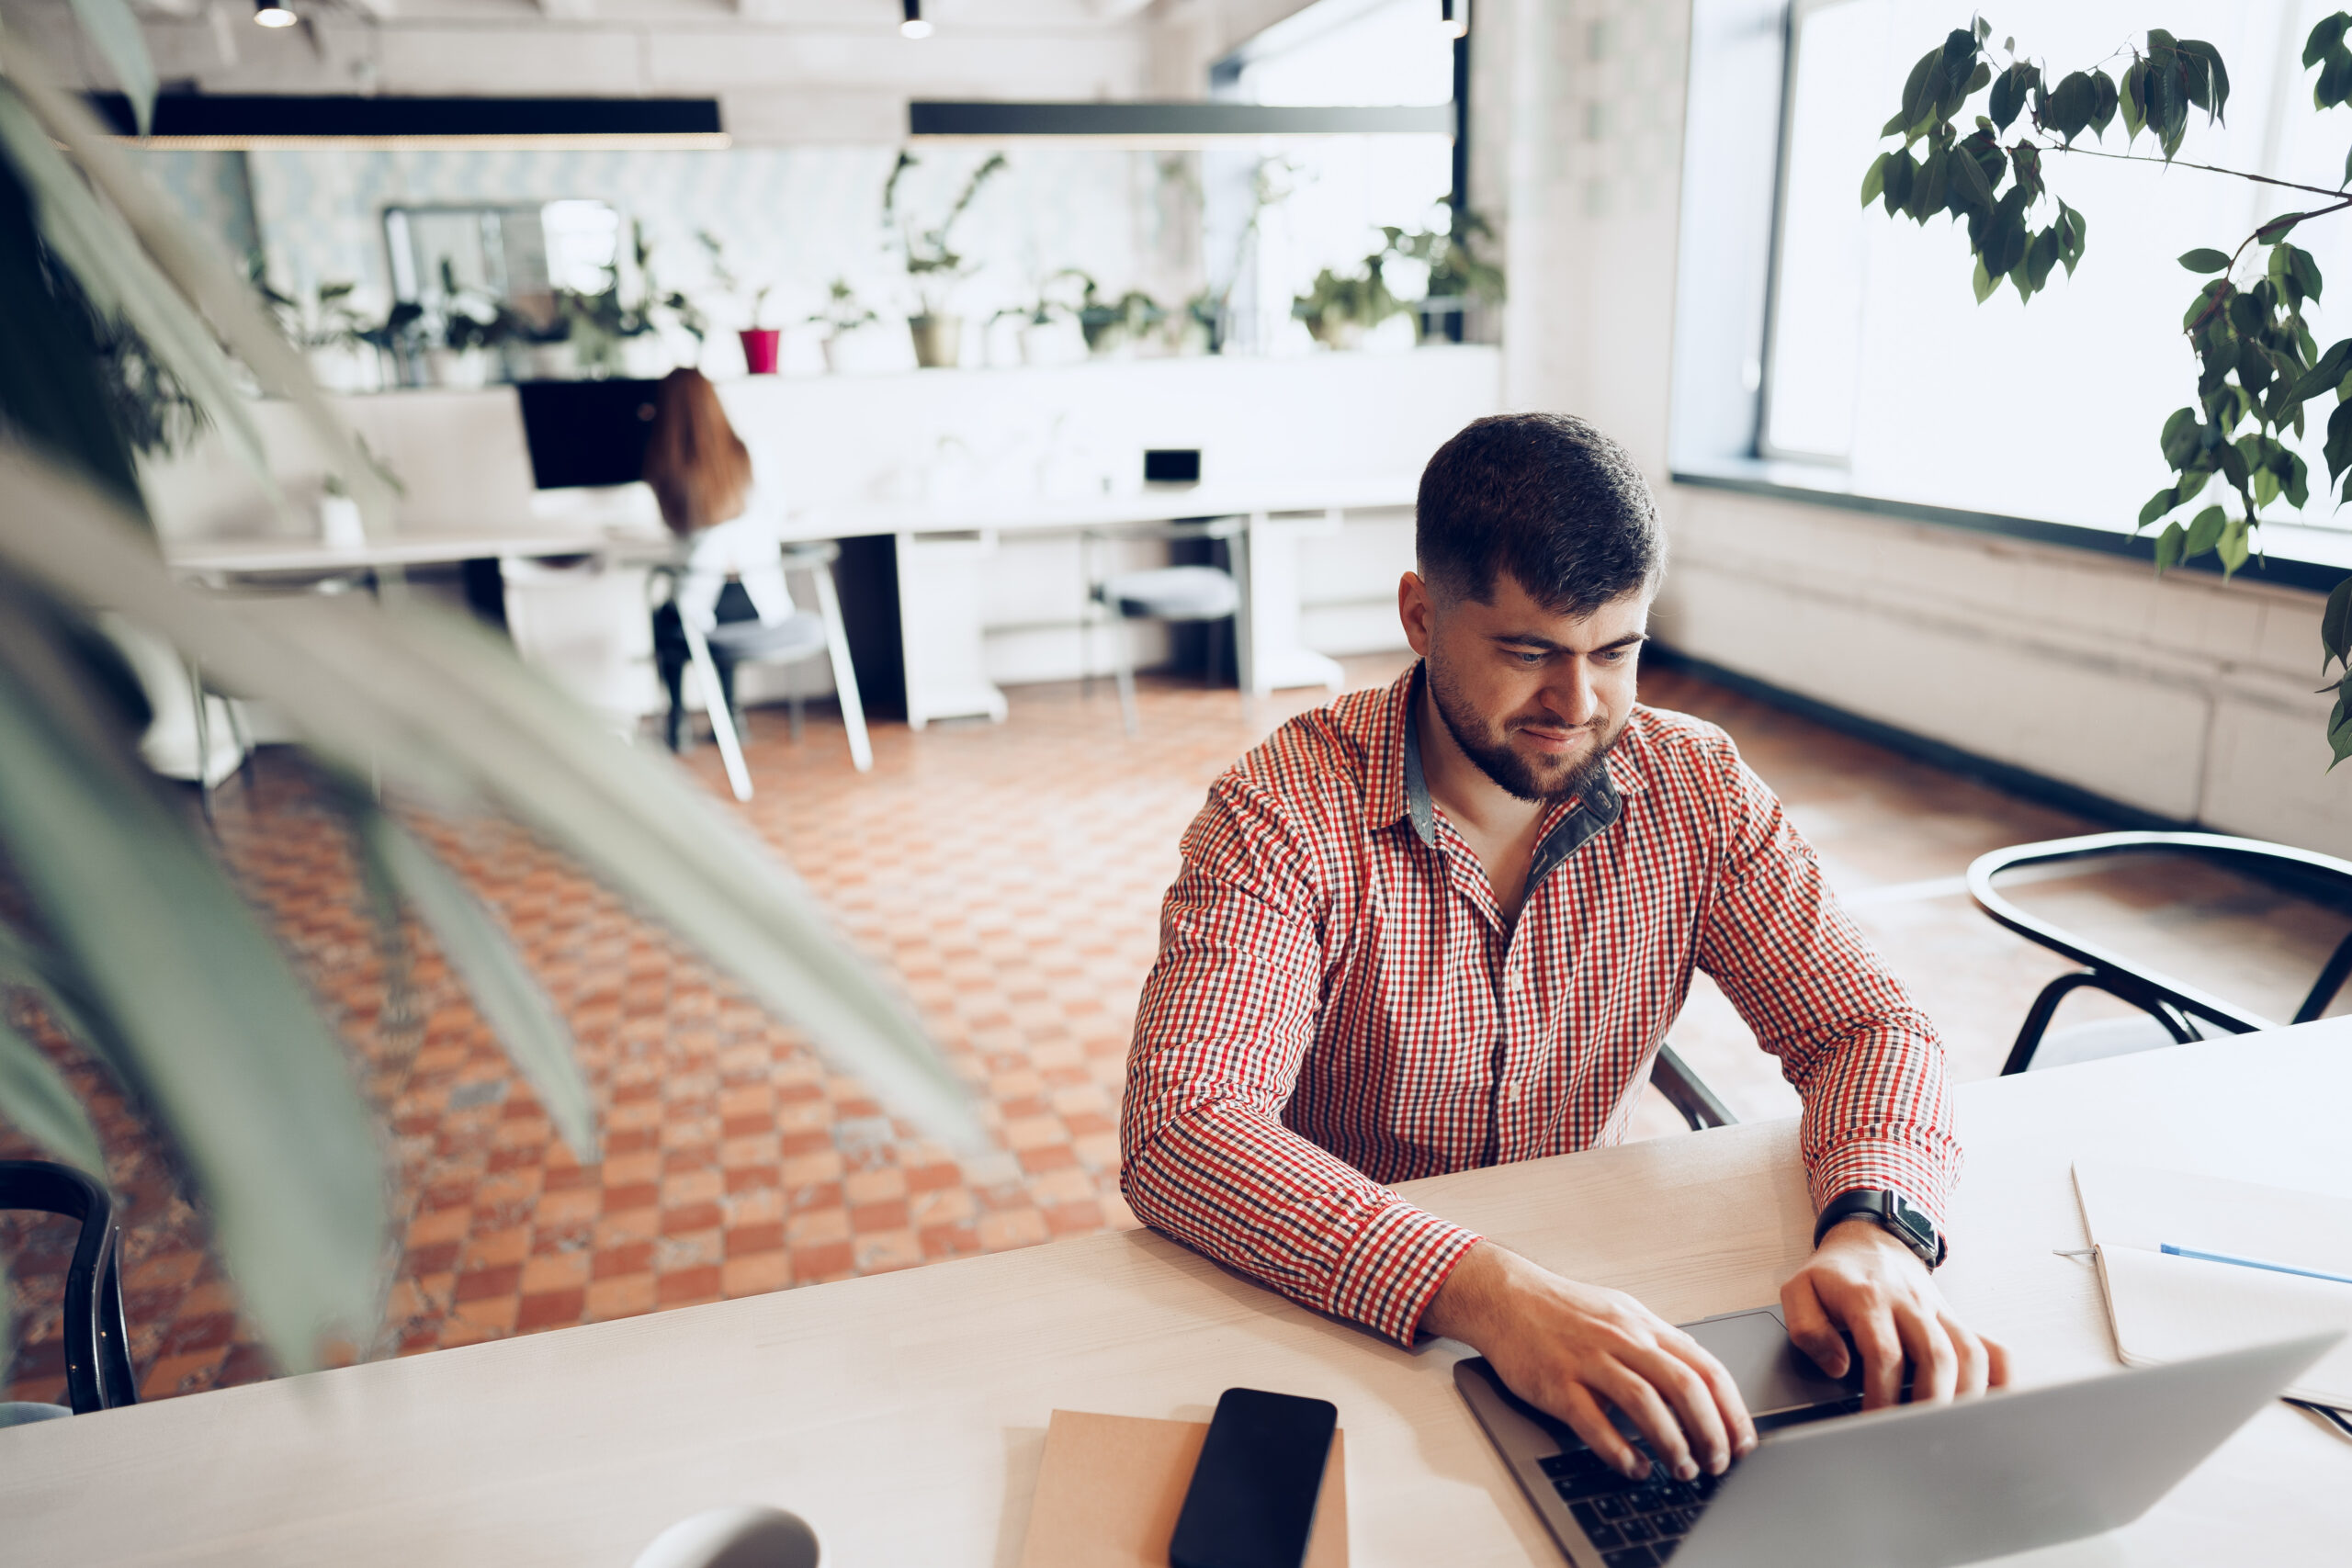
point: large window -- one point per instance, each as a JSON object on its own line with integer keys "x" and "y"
{"x": 1276, "y": 218}
{"x": 1879, "y": 364}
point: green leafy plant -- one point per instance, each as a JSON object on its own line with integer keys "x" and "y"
{"x": 725, "y": 277}
{"x": 2258, "y": 364}
{"x": 122, "y": 920}
{"x": 1337, "y": 307}
{"x": 932, "y": 264}
{"x": 843, "y": 311}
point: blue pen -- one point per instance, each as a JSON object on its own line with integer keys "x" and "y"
{"x": 2171, "y": 1250}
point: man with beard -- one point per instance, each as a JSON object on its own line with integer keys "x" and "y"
{"x": 1448, "y": 924}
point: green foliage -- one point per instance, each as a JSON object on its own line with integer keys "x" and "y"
{"x": 2258, "y": 363}
{"x": 932, "y": 260}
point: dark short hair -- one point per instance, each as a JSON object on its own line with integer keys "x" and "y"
{"x": 1544, "y": 497}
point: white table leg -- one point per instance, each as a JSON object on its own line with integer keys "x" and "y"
{"x": 1273, "y": 655}
{"x": 939, "y": 628}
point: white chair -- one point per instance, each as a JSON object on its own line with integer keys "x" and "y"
{"x": 714, "y": 653}
{"x": 1156, "y": 593}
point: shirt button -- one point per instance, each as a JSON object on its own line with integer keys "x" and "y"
{"x": 1510, "y": 1091}
{"x": 1512, "y": 981}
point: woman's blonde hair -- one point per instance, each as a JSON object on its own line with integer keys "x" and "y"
{"x": 694, "y": 461}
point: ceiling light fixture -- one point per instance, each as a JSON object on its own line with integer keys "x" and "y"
{"x": 238, "y": 123}
{"x": 274, "y": 14}
{"x": 1456, "y": 15}
{"x": 914, "y": 26}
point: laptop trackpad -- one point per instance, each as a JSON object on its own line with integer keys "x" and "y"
{"x": 1773, "y": 1375}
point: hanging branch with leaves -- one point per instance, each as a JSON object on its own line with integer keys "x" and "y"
{"x": 2257, "y": 361}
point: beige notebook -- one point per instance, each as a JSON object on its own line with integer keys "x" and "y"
{"x": 1110, "y": 1488}
{"x": 2165, "y": 1308}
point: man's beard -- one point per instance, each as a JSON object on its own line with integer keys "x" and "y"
{"x": 1493, "y": 754}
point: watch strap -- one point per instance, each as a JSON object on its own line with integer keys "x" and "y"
{"x": 1892, "y": 1212}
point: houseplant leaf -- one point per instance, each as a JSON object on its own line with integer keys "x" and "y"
{"x": 510, "y": 1000}
{"x": 436, "y": 705}
{"x": 35, "y": 1098}
{"x": 216, "y": 1035}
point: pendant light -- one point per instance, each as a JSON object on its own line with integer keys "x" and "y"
{"x": 1456, "y": 15}
{"x": 914, "y": 26}
{"x": 274, "y": 14}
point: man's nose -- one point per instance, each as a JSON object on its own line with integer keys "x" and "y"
{"x": 1572, "y": 698}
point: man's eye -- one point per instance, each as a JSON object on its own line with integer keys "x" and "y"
{"x": 1526, "y": 657}
{"x": 1609, "y": 655}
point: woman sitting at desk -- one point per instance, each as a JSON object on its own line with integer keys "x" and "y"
{"x": 730, "y": 591}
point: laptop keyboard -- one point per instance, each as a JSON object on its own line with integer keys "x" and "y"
{"x": 1636, "y": 1524}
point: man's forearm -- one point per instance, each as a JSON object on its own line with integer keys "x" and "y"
{"x": 1232, "y": 1182}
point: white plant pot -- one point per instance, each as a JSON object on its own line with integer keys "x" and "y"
{"x": 647, "y": 358}
{"x": 457, "y": 367}
{"x": 831, "y": 345}
{"x": 551, "y": 362}
{"x": 345, "y": 367}
{"x": 340, "y": 527}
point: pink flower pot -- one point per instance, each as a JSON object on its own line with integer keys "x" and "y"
{"x": 760, "y": 346}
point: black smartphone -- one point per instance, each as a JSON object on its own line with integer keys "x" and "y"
{"x": 1251, "y": 1503}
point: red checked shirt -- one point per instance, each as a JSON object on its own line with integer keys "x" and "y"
{"x": 1338, "y": 1002}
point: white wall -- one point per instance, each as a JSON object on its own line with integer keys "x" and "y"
{"x": 2184, "y": 696}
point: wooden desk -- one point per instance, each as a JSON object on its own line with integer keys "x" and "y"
{"x": 903, "y": 1415}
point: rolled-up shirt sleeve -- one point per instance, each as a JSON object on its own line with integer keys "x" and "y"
{"x": 1866, "y": 1061}
{"x": 1225, "y": 1020}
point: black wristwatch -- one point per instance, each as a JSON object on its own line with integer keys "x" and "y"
{"x": 1892, "y": 1212}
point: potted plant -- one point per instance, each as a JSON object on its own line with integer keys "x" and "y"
{"x": 1459, "y": 278}
{"x": 1339, "y": 308}
{"x": 125, "y": 928}
{"x": 762, "y": 346}
{"x": 614, "y": 331}
{"x": 325, "y": 328}
{"x": 539, "y": 350}
{"x": 396, "y": 340}
{"x": 1042, "y": 320}
{"x": 1114, "y": 325}
{"x": 932, "y": 264}
{"x": 842, "y": 313}
{"x": 471, "y": 326}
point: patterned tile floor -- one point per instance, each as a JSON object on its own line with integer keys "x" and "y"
{"x": 1008, "y": 876}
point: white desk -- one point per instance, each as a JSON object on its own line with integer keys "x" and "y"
{"x": 939, "y": 547}
{"x": 903, "y": 1415}
{"x": 315, "y": 557}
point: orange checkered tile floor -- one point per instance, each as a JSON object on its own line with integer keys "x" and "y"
{"x": 1008, "y": 877}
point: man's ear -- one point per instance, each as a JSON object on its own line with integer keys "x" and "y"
{"x": 1416, "y": 608}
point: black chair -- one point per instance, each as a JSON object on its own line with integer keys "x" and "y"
{"x": 2181, "y": 1012}
{"x": 98, "y": 1348}
{"x": 1687, "y": 1092}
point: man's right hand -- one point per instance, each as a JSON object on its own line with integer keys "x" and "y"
{"x": 1574, "y": 1351}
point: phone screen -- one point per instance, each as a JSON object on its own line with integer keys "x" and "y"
{"x": 1251, "y": 1503}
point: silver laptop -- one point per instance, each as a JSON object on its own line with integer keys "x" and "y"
{"x": 1905, "y": 1488}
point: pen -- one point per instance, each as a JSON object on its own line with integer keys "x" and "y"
{"x": 2169, "y": 1249}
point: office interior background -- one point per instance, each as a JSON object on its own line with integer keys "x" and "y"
{"x": 1905, "y": 572}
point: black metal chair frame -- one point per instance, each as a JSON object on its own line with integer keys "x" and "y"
{"x": 1687, "y": 1092}
{"x": 98, "y": 1346}
{"x": 2174, "y": 1004}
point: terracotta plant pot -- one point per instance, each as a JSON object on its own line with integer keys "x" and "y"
{"x": 761, "y": 346}
{"x": 939, "y": 341}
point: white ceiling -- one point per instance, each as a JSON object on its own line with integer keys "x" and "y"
{"x": 785, "y": 71}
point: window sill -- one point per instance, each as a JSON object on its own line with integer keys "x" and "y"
{"x": 2294, "y": 555}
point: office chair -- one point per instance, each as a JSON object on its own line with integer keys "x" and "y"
{"x": 1205, "y": 593}
{"x": 2177, "y": 1012}
{"x": 1687, "y": 1092}
{"x": 741, "y": 637}
{"x": 98, "y": 1348}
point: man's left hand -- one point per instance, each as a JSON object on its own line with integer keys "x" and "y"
{"x": 1863, "y": 1280}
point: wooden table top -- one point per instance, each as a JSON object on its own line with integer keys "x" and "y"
{"x": 903, "y": 1415}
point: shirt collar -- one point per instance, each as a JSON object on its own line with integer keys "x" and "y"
{"x": 1404, "y": 790}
